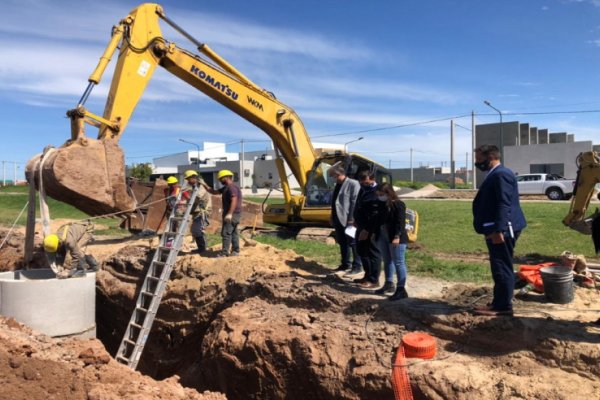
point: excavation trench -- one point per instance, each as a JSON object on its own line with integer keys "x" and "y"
{"x": 270, "y": 324}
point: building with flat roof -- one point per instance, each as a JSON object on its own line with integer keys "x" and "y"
{"x": 527, "y": 149}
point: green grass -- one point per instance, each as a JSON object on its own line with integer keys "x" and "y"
{"x": 320, "y": 252}
{"x": 445, "y": 235}
{"x": 12, "y": 204}
{"x": 260, "y": 199}
{"x": 419, "y": 263}
{"x": 446, "y": 227}
{"x": 441, "y": 185}
{"x": 14, "y": 189}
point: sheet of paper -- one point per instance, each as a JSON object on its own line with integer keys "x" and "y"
{"x": 351, "y": 231}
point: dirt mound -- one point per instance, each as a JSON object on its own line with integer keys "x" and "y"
{"x": 272, "y": 324}
{"x": 11, "y": 253}
{"x": 200, "y": 287}
{"x": 261, "y": 326}
{"x": 36, "y": 367}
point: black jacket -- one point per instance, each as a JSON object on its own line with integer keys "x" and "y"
{"x": 369, "y": 212}
{"x": 395, "y": 221}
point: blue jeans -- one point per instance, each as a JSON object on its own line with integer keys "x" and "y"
{"x": 394, "y": 261}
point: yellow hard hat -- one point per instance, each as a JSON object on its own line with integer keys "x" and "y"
{"x": 51, "y": 243}
{"x": 172, "y": 180}
{"x": 223, "y": 173}
{"x": 189, "y": 173}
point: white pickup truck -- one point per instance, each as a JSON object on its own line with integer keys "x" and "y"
{"x": 552, "y": 185}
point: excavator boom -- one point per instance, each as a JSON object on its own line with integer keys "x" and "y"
{"x": 90, "y": 173}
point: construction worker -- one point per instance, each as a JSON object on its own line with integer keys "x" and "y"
{"x": 171, "y": 192}
{"x": 232, "y": 212}
{"x": 71, "y": 238}
{"x": 200, "y": 210}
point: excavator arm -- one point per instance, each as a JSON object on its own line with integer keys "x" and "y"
{"x": 588, "y": 175}
{"x": 90, "y": 173}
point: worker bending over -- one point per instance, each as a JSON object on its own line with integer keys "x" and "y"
{"x": 232, "y": 212}
{"x": 71, "y": 238}
{"x": 200, "y": 210}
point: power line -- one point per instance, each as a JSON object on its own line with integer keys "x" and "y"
{"x": 394, "y": 126}
{"x": 385, "y": 128}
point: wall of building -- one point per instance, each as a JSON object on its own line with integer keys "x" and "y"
{"x": 490, "y": 134}
{"x": 266, "y": 174}
{"x": 520, "y": 158}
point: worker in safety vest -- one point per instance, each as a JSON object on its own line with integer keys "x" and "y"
{"x": 71, "y": 238}
{"x": 200, "y": 210}
{"x": 171, "y": 192}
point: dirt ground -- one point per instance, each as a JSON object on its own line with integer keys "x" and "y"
{"x": 270, "y": 324}
{"x": 36, "y": 367}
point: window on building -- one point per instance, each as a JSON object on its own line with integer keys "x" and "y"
{"x": 558, "y": 169}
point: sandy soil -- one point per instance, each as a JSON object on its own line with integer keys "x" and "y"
{"x": 37, "y": 367}
{"x": 271, "y": 324}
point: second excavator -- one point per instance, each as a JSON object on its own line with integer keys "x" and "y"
{"x": 89, "y": 173}
{"x": 588, "y": 176}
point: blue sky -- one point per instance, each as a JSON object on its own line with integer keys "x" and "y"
{"x": 344, "y": 66}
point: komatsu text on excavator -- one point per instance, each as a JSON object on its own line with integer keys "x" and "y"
{"x": 90, "y": 173}
{"x": 588, "y": 176}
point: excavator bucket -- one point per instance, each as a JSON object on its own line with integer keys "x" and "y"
{"x": 87, "y": 174}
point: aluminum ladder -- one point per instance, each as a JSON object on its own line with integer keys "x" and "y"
{"x": 153, "y": 287}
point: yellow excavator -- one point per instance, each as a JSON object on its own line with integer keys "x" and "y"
{"x": 588, "y": 176}
{"x": 90, "y": 173}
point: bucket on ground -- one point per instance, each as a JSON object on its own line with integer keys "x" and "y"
{"x": 558, "y": 284}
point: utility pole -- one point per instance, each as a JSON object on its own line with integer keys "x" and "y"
{"x": 467, "y": 167}
{"x": 3, "y": 173}
{"x": 473, "y": 146}
{"x": 389, "y": 164}
{"x": 452, "y": 170}
{"x": 411, "y": 167}
{"x": 15, "y": 176}
{"x": 242, "y": 167}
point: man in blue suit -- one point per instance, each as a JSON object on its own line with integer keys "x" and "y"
{"x": 497, "y": 215}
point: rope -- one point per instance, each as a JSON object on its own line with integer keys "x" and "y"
{"x": 124, "y": 211}
{"x": 13, "y": 225}
{"x": 44, "y": 210}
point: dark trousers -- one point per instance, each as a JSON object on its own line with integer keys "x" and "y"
{"x": 370, "y": 255}
{"x": 501, "y": 263}
{"x": 230, "y": 235}
{"x": 198, "y": 225}
{"x": 347, "y": 244}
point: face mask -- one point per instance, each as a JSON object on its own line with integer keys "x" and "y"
{"x": 483, "y": 166}
{"x": 382, "y": 198}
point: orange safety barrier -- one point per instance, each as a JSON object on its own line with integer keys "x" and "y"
{"x": 414, "y": 345}
{"x": 532, "y": 275}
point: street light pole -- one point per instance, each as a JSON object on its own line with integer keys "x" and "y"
{"x": 487, "y": 103}
{"x": 352, "y": 141}
{"x": 197, "y": 147}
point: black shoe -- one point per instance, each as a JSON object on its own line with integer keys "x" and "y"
{"x": 360, "y": 280}
{"x": 387, "y": 288}
{"x": 354, "y": 271}
{"x": 341, "y": 268}
{"x": 399, "y": 294}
